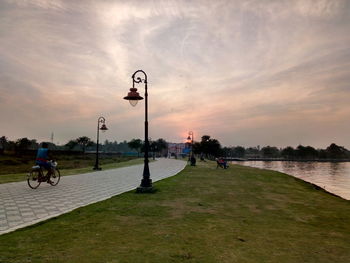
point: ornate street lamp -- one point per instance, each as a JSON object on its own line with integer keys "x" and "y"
{"x": 133, "y": 97}
{"x": 190, "y": 140}
{"x": 103, "y": 128}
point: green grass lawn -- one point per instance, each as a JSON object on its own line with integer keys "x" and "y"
{"x": 84, "y": 167}
{"x": 203, "y": 214}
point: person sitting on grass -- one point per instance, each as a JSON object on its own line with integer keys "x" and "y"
{"x": 221, "y": 162}
{"x": 42, "y": 159}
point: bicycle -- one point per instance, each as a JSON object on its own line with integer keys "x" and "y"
{"x": 36, "y": 176}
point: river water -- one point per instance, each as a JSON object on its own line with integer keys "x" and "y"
{"x": 334, "y": 177}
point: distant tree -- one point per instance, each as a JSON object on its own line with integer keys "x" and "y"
{"x": 322, "y": 154}
{"x": 153, "y": 147}
{"x": 11, "y": 145}
{"x": 197, "y": 148}
{"x": 205, "y": 138}
{"x": 271, "y": 152}
{"x": 311, "y": 152}
{"x": 238, "y": 151}
{"x": 210, "y": 147}
{"x": 157, "y": 146}
{"x": 107, "y": 146}
{"x": 161, "y": 144}
{"x": 300, "y": 151}
{"x": 33, "y": 144}
{"x": 288, "y": 152}
{"x": 336, "y": 152}
{"x": 71, "y": 144}
{"x": 307, "y": 152}
{"x": 3, "y": 143}
{"x": 204, "y": 144}
{"x": 215, "y": 147}
{"x": 22, "y": 145}
{"x": 135, "y": 144}
{"x": 252, "y": 151}
{"x": 123, "y": 146}
{"x": 227, "y": 151}
{"x": 84, "y": 141}
{"x": 116, "y": 147}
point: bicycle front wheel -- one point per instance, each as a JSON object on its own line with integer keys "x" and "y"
{"x": 33, "y": 179}
{"x": 55, "y": 177}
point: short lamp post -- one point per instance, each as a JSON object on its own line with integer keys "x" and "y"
{"x": 190, "y": 140}
{"x": 103, "y": 128}
{"x": 133, "y": 97}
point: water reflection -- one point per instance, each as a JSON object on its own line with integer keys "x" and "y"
{"x": 333, "y": 176}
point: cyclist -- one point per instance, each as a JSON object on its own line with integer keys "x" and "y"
{"x": 42, "y": 159}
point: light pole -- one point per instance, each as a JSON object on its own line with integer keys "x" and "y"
{"x": 103, "y": 128}
{"x": 133, "y": 97}
{"x": 190, "y": 139}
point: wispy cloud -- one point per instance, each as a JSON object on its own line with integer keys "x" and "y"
{"x": 246, "y": 72}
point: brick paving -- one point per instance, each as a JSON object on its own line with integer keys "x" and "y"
{"x": 22, "y": 206}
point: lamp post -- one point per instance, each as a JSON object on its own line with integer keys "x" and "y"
{"x": 133, "y": 97}
{"x": 103, "y": 128}
{"x": 190, "y": 140}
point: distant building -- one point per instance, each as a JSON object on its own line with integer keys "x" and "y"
{"x": 176, "y": 149}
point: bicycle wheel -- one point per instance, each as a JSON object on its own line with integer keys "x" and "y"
{"x": 33, "y": 179}
{"x": 55, "y": 177}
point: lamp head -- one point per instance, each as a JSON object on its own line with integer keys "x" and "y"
{"x": 103, "y": 128}
{"x": 133, "y": 97}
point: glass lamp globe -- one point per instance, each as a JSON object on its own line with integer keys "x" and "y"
{"x": 133, "y": 102}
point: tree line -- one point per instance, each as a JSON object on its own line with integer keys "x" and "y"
{"x": 211, "y": 148}
{"x": 81, "y": 144}
{"x": 333, "y": 151}
{"x": 207, "y": 147}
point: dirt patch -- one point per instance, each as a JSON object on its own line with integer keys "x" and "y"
{"x": 254, "y": 209}
{"x": 181, "y": 207}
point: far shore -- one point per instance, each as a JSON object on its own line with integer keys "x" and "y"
{"x": 284, "y": 160}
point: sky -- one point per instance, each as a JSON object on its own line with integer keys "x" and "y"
{"x": 257, "y": 72}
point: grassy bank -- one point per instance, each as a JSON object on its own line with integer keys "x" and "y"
{"x": 67, "y": 167}
{"x": 11, "y": 164}
{"x": 203, "y": 214}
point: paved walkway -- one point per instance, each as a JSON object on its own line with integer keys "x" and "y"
{"x": 21, "y": 206}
